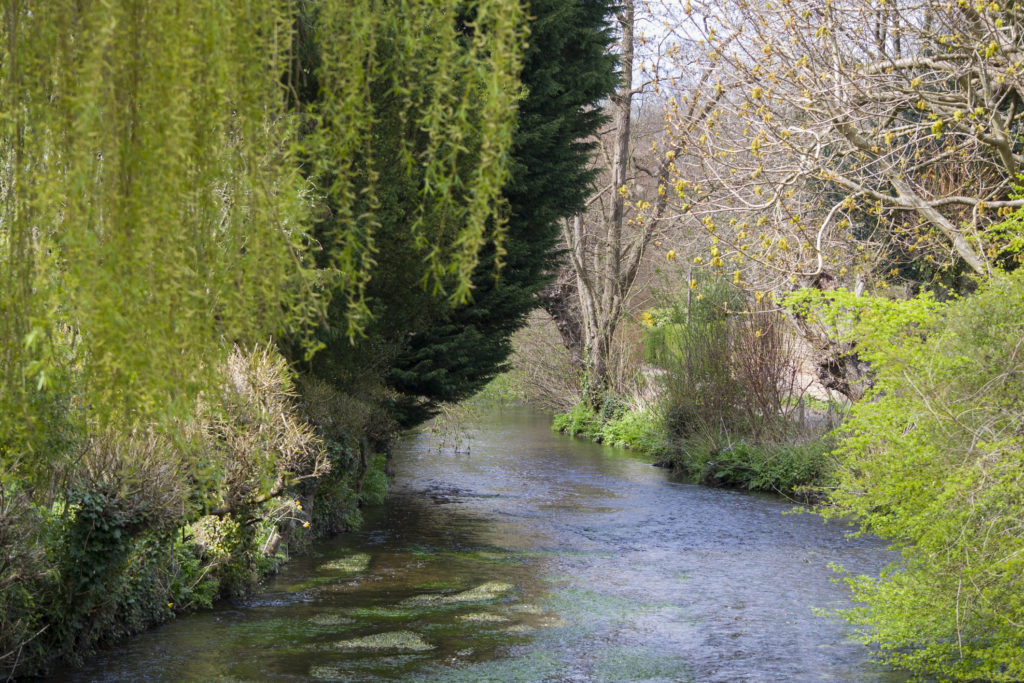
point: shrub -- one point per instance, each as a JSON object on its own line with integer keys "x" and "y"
{"x": 796, "y": 468}
{"x": 639, "y": 430}
{"x": 252, "y": 437}
{"x": 764, "y": 365}
{"x": 22, "y": 576}
{"x": 691, "y": 346}
{"x": 728, "y": 365}
{"x": 542, "y": 369}
{"x": 580, "y": 420}
{"x": 115, "y": 530}
{"x": 933, "y": 462}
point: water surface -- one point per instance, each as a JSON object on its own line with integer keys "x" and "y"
{"x": 536, "y": 557}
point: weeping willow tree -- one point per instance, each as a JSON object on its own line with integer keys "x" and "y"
{"x": 157, "y": 184}
{"x": 165, "y": 191}
{"x": 444, "y": 76}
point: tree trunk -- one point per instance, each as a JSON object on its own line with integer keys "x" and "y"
{"x": 561, "y": 301}
{"x": 838, "y": 366}
{"x": 604, "y": 265}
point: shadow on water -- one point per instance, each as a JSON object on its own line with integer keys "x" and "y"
{"x": 535, "y": 558}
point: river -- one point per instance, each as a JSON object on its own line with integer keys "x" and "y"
{"x": 536, "y": 557}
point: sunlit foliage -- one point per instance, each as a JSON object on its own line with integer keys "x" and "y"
{"x": 849, "y": 138}
{"x": 153, "y": 206}
{"x": 163, "y": 191}
{"x": 933, "y": 463}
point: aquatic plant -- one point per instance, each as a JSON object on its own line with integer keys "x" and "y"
{"x": 393, "y": 640}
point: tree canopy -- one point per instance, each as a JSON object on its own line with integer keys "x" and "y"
{"x": 851, "y": 138}
{"x": 567, "y": 71}
{"x": 160, "y": 181}
{"x": 185, "y": 189}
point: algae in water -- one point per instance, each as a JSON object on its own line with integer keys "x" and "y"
{"x": 331, "y": 619}
{"x": 357, "y": 562}
{"x": 406, "y": 641}
{"x": 482, "y": 617}
{"x": 484, "y": 592}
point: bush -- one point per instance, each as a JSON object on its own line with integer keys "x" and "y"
{"x": 794, "y": 469}
{"x": 728, "y": 365}
{"x": 933, "y": 462}
{"x": 616, "y": 425}
{"x": 22, "y": 573}
{"x": 691, "y": 346}
{"x": 542, "y": 372}
{"x": 118, "y": 529}
{"x": 580, "y": 420}
{"x": 639, "y": 430}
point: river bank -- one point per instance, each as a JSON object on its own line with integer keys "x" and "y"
{"x": 535, "y": 556}
{"x": 137, "y": 528}
{"x": 793, "y": 465}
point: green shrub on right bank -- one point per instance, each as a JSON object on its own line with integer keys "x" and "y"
{"x": 689, "y": 342}
{"x": 730, "y": 399}
{"x": 933, "y": 462}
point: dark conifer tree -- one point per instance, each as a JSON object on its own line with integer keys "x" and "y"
{"x": 568, "y": 69}
{"x": 424, "y": 349}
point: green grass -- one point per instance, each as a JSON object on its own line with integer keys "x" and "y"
{"x": 579, "y": 421}
{"x": 641, "y": 431}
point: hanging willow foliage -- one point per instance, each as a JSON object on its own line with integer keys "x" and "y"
{"x": 453, "y": 69}
{"x": 152, "y": 209}
{"x": 149, "y": 211}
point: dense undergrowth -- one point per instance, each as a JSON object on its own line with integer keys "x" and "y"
{"x": 127, "y": 530}
{"x": 729, "y": 410}
{"x": 933, "y": 462}
{"x": 639, "y": 430}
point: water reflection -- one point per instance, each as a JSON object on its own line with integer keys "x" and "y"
{"x": 536, "y": 557}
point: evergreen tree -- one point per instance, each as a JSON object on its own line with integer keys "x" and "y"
{"x": 567, "y": 69}
{"x": 425, "y": 223}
